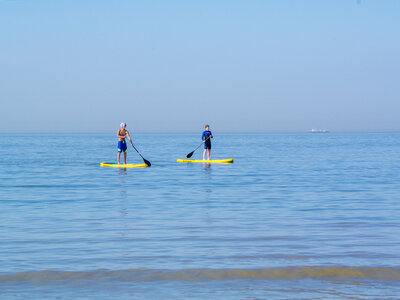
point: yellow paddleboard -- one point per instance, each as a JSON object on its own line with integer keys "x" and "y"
{"x": 122, "y": 165}
{"x": 215, "y": 161}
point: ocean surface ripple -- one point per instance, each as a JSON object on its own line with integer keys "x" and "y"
{"x": 304, "y": 216}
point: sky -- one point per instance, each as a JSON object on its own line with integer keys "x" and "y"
{"x": 173, "y": 66}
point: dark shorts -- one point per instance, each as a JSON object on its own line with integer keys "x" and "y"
{"x": 122, "y": 146}
{"x": 207, "y": 146}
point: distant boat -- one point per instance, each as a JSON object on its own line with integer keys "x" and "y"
{"x": 319, "y": 131}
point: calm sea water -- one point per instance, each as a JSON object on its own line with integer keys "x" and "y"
{"x": 305, "y": 216}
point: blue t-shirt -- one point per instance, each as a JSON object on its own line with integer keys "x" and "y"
{"x": 206, "y": 134}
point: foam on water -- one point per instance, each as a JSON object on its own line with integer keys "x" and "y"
{"x": 299, "y": 272}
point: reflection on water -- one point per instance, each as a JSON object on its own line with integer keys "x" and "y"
{"x": 123, "y": 197}
{"x": 206, "y": 166}
{"x": 123, "y": 211}
{"x": 207, "y": 170}
{"x": 122, "y": 171}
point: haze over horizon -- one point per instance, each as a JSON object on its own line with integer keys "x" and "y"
{"x": 259, "y": 66}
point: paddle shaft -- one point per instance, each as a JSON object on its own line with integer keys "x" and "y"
{"x": 145, "y": 160}
{"x": 191, "y": 153}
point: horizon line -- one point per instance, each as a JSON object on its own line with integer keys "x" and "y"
{"x": 193, "y": 132}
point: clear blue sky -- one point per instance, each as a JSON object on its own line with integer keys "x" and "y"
{"x": 170, "y": 66}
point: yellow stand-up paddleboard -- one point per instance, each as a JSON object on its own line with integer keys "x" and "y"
{"x": 215, "y": 161}
{"x": 122, "y": 165}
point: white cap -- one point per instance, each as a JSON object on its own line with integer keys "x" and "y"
{"x": 122, "y": 125}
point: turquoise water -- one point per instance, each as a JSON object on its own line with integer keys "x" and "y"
{"x": 304, "y": 216}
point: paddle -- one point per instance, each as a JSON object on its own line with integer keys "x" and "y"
{"x": 191, "y": 153}
{"x": 145, "y": 160}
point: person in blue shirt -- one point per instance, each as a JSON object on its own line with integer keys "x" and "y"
{"x": 206, "y": 137}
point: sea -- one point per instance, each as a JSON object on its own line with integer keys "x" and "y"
{"x": 296, "y": 216}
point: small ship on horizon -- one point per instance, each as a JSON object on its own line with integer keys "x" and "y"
{"x": 319, "y": 131}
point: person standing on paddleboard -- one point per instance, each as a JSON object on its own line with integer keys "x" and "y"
{"x": 206, "y": 137}
{"x": 122, "y": 134}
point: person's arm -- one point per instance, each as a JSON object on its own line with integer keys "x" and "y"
{"x": 211, "y": 136}
{"x": 129, "y": 137}
{"x": 119, "y": 135}
{"x": 202, "y": 138}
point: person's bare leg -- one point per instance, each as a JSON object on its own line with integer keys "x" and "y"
{"x": 204, "y": 154}
{"x": 119, "y": 156}
{"x": 125, "y": 158}
{"x": 209, "y": 153}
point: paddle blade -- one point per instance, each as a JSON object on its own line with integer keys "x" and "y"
{"x": 189, "y": 155}
{"x": 147, "y": 162}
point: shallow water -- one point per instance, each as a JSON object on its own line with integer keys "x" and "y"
{"x": 296, "y": 216}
